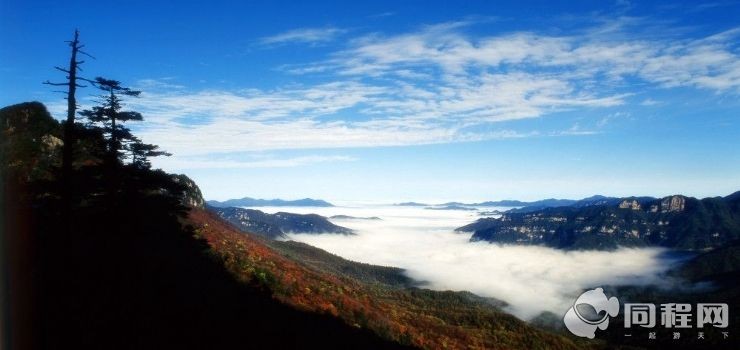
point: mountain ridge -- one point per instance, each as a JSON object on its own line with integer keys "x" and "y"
{"x": 675, "y": 221}
{"x": 278, "y": 225}
{"x": 523, "y": 205}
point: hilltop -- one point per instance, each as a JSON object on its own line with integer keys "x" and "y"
{"x": 277, "y": 225}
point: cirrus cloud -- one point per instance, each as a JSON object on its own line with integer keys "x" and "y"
{"x": 436, "y": 85}
{"x": 303, "y": 35}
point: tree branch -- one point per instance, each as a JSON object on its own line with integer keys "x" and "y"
{"x": 86, "y": 54}
{"x": 55, "y": 84}
{"x": 87, "y": 80}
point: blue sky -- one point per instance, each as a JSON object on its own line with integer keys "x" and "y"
{"x": 407, "y": 100}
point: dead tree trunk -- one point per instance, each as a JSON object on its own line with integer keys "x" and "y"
{"x": 70, "y": 137}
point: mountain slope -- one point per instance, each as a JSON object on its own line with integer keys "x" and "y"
{"x": 154, "y": 279}
{"x": 279, "y": 224}
{"x": 322, "y": 261}
{"x": 365, "y": 296}
{"x": 720, "y": 266}
{"x": 125, "y": 273}
{"x": 674, "y": 221}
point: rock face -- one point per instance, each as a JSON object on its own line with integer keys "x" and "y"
{"x": 192, "y": 197}
{"x": 629, "y": 204}
{"x": 673, "y": 204}
{"x": 585, "y": 202}
{"x": 30, "y": 141}
{"x": 675, "y": 221}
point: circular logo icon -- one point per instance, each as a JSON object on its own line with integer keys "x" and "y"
{"x": 590, "y": 311}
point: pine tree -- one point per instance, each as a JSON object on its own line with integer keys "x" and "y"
{"x": 110, "y": 116}
{"x": 140, "y": 153}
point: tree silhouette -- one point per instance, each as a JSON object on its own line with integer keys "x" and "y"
{"x": 110, "y": 116}
{"x": 69, "y": 134}
{"x": 72, "y": 85}
{"x": 140, "y": 153}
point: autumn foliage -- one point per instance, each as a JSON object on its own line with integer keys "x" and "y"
{"x": 423, "y": 318}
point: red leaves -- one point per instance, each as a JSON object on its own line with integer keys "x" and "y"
{"x": 395, "y": 314}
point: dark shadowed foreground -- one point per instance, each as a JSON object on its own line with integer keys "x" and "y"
{"x": 117, "y": 255}
{"x": 122, "y": 270}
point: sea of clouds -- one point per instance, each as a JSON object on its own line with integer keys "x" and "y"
{"x": 530, "y": 279}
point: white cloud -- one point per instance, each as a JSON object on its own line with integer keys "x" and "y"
{"x": 531, "y": 279}
{"x": 352, "y": 114}
{"x": 574, "y": 130}
{"x": 304, "y": 35}
{"x": 710, "y": 63}
{"x": 649, "y": 102}
{"x": 234, "y": 135}
{"x": 611, "y": 117}
{"x": 433, "y": 85}
{"x": 210, "y": 163}
{"x": 157, "y": 84}
{"x": 255, "y": 104}
{"x": 382, "y": 14}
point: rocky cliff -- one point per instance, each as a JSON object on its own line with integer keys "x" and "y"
{"x": 674, "y": 221}
{"x": 192, "y": 196}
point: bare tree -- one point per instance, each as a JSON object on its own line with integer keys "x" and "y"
{"x": 72, "y": 85}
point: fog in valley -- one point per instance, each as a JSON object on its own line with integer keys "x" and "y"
{"x": 423, "y": 242}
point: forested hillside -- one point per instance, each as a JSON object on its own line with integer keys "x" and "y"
{"x": 676, "y": 222}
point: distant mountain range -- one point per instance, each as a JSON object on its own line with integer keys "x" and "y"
{"x": 551, "y": 202}
{"x": 450, "y": 207}
{"x": 348, "y": 217}
{"x": 522, "y": 205}
{"x": 606, "y": 223}
{"x": 252, "y": 202}
{"x": 412, "y": 204}
{"x": 274, "y": 226}
{"x": 589, "y": 201}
